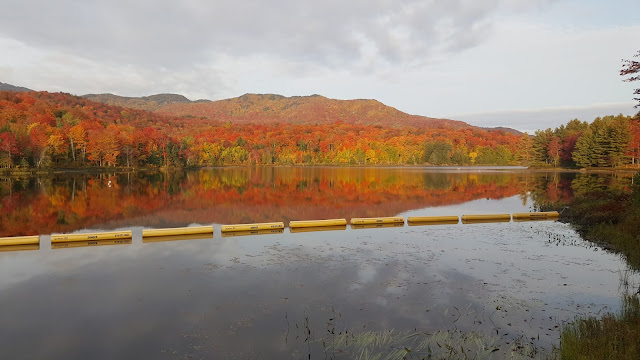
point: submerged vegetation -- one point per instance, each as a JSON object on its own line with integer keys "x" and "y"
{"x": 399, "y": 345}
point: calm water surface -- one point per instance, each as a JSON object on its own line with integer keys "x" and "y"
{"x": 291, "y": 295}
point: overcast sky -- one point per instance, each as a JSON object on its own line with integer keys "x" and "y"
{"x": 527, "y": 64}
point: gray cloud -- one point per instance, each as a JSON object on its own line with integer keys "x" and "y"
{"x": 177, "y": 35}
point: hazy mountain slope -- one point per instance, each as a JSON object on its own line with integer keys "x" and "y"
{"x": 9, "y": 87}
{"x": 150, "y": 103}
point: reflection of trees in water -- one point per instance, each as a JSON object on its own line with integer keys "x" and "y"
{"x": 585, "y": 183}
{"x": 66, "y": 202}
{"x": 554, "y": 190}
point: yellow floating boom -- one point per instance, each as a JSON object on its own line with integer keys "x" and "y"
{"x": 91, "y": 236}
{"x": 433, "y": 219}
{"x": 317, "y": 223}
{"x": 252, "y": 232}
{"x": 191, "y": 230}
{"x": 380, "y": 220}
{"x": 19, "y": 240}
{"x": 550, "y": 215}
{"x": 84, "y": 243}
{"x": 249, "y": 227}
{"x": 151, "y": 239}
{"x": 486, "y": 218}
{"x": 377, "y": 226}
{"x": 317, "y": 228}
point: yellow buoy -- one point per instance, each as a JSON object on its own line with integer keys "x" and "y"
{"x": 432, "y": 220}
{"x": 250, "y": 227}
{"x": 317, "y": 228}
{"x": 486, "y": 218}
{"x": 84, "y": 243}
{"x": 178, "y": 231}
{"x": 377, "y": 226}
{"x": 317, "y": 223}
{"x": 19, "y": 247}
{"x": 380, "y": 220}
{"x": 152, "y": 239}
{"x": 252, "y": 232}
{"x": 91, "y": 236}
{"x": 19, "y": 240}
{"x": 533, "y": 216}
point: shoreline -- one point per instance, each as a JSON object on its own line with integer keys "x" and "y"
{"x": 99, "y": 170}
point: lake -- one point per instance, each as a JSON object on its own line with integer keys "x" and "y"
{"x": 491, "y": 287}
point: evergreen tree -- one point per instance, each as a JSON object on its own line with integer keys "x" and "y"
{"x": 604, "y": 143}
{"x": 539, "y": 147}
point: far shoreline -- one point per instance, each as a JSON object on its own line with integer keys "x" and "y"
{"x": 101, "y": 170}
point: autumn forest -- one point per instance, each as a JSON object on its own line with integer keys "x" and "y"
{"x": 60, "y": 131}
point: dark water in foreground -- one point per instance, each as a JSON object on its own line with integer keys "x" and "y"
{"x": 292, "y": 295}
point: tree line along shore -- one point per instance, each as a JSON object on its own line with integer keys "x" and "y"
{"x": 42, "y": 131}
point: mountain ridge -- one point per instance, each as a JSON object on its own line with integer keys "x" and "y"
{"x": 312, "y": 109}
{"x": 261, "y": 108}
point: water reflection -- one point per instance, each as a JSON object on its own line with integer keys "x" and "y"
{"x": 25, "y": 247}
{"x": 280, "y": 296}
{"x": 286, "y": 294}
{"x": 77, "y": 244}
{"x": 62, "y": 203}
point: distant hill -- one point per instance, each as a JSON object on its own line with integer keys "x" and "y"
{"x": 505, "y": 129}
{"x": 272, "y": 108}
{"x": 9, "y": 87}
{"x": 149, "y": 103}
{"x": 314, "y": 109}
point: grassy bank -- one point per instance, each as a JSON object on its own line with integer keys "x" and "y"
{"x": 614, "y": 336}
{"x": 611, "y": 219}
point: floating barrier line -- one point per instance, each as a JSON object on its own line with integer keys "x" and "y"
{"x": 20, "y": 240}
{"x": 377, "y": 226}
{"x": 120, "y": 237}
{"x": 317, "y": 228}
{"x": 249, "y": 227}
{"x": 252, "y": 232}
{"x": 435, "y": 219}
{"x": 91, "y": 236}
{"x": 536, "y": 216}
{"x": 152, "y": 239}
{"x": 423, "y": 223}
{"x": 317, "y": 223}
{"x": 191, "y": 230}
{"x": 472, "y": 219}
{"x": 380, "y": 220}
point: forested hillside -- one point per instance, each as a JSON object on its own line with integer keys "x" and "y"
{"x": 45, "y": 130}
{"x": 55, "y": 130}
{"x": 314, "y": 109}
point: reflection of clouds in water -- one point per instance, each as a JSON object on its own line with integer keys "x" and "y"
{"x": 223, "y": 291}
